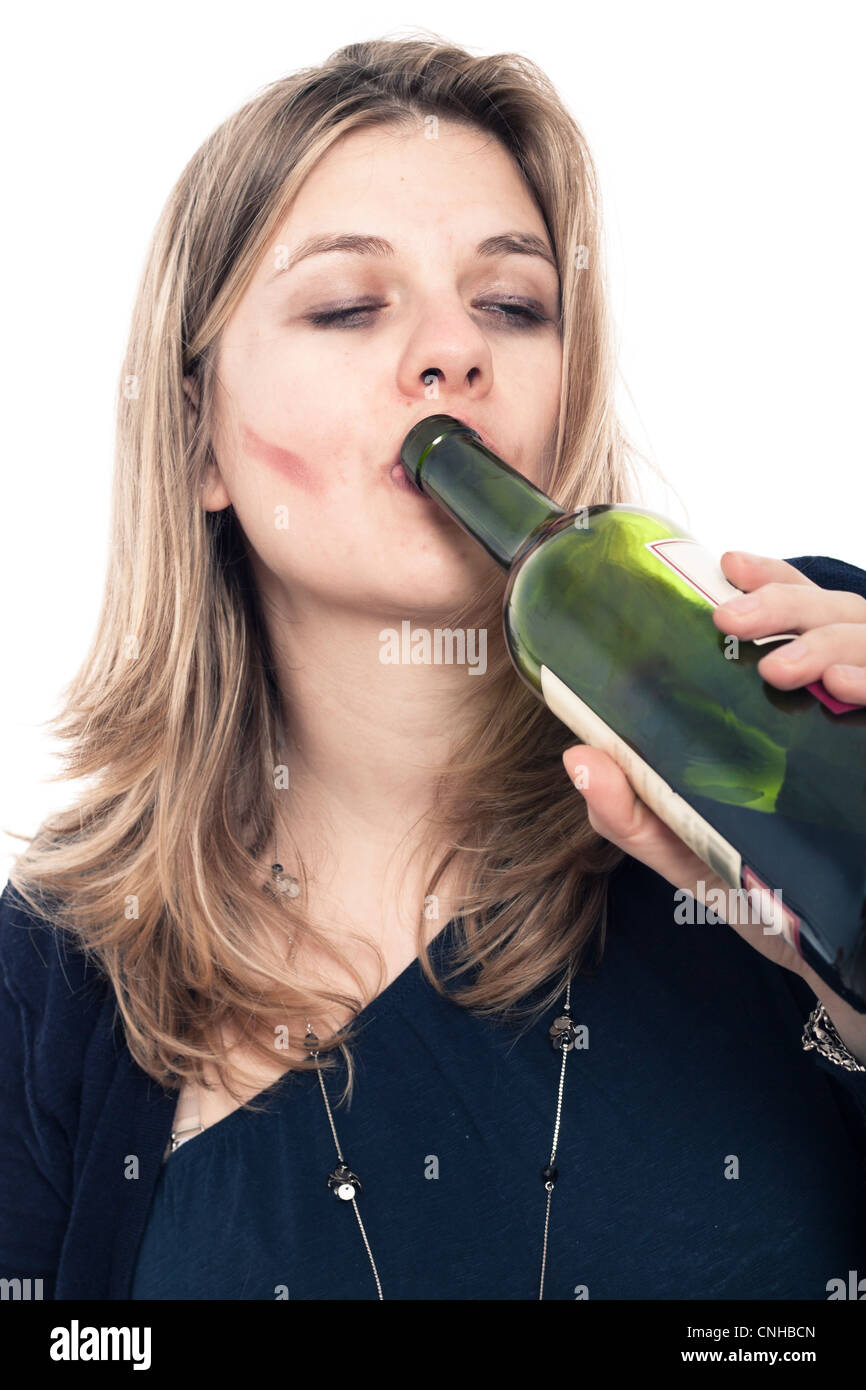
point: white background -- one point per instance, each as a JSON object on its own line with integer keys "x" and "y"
{"x": 729, "y": 144}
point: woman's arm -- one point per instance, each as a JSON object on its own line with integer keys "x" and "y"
{"x": 849, "y": 1086}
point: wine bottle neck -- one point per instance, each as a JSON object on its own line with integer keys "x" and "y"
{"x": 486, "y": 496}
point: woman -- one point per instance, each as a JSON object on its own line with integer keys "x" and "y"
{"x": 261, "y": 1062}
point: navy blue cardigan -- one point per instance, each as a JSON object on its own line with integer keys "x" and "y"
{"x": 84, "y": 1128}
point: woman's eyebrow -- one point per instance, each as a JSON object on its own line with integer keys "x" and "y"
{"x": 503, "y": 244}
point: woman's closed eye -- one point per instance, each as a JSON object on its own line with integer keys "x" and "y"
{"x": 353, "y": 316}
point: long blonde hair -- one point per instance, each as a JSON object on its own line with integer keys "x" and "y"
{"x": 174, "y": 715}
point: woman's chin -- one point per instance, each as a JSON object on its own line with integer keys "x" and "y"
{"x": 439, "y": 585}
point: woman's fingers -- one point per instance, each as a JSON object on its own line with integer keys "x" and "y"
{"x": 616, "y": 812}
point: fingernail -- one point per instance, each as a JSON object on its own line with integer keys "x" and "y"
{"x": 854, "y": 673}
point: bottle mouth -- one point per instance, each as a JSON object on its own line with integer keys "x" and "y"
{"x": 423, "y": 436}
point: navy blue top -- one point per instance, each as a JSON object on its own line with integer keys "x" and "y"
{"x": 702, "y": 1152}
{"x": 693, "y": 1073}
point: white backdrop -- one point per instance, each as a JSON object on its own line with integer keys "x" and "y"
{"x": 729, "y": 144}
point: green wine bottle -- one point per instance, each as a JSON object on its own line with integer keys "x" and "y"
{"x": 607, "y": 618}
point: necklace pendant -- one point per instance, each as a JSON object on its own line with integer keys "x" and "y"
{"x": 282, "y": 884}
{"x": 563, "y": 1033}
{"x": 549, "y": 1174}
{"x": 344, "y": 1182}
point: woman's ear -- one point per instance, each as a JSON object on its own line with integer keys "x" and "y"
{"x": 214, "y": 495}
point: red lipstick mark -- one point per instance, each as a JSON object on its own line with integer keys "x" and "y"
{"x": 283, "y": 461}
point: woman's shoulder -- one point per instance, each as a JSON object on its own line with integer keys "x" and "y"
{"x": 830, "y": 573}
{"x": 48, "y": 986}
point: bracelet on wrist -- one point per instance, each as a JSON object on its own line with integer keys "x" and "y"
{"x": 821, "y": 1034}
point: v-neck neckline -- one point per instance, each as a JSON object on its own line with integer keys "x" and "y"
{"x": 408, "y": 976}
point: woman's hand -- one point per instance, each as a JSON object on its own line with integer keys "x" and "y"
{"x": 833, "y": 624}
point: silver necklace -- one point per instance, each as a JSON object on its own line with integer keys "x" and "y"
{"x": 343, "y": 1182}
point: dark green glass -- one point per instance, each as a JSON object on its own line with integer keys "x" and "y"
{"x": 607, "y": 616}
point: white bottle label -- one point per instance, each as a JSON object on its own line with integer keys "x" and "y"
{"x": 703, "y": 573}
{"x": 693, "y": 563}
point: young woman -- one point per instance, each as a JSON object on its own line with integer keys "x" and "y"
{"x": 461, "y": 1047}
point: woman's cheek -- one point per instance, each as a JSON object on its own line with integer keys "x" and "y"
{"x": 283, "y": 462}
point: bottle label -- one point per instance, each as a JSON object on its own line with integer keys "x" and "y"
{"x": 693, "y": 563}
{"x": 703, "y": 573}
{"x": 668, "y": 805}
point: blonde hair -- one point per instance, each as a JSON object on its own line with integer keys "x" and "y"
{"x": 175, "y": 714}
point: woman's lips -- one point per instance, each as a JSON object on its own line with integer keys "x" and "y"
{"x": 398, "y": 476}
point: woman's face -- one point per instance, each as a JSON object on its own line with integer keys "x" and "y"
{"x": 310, "y": 416}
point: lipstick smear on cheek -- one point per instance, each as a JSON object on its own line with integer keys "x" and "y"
{"x": 282, "y": 461}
